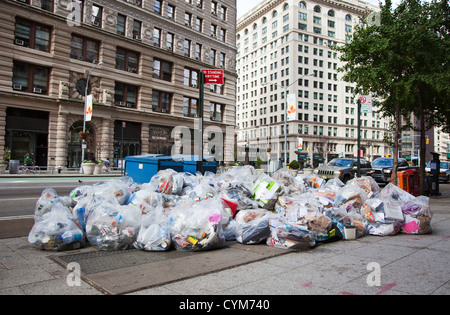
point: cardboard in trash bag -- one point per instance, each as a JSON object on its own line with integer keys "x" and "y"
{"x": 266, "y": 191}
{"x": 289, "y": 236}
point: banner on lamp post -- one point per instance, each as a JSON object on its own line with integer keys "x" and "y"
{"x": 88, "y": 108}
{"x": 300, "y": 144}
{"x": 291, "y": 104}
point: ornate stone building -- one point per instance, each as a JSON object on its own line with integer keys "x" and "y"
{"x": 147, "y": 56}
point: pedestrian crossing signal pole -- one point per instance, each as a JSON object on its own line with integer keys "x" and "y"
{"x": 201, "y": 101}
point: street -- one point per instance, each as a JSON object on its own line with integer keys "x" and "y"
{"x": 18, "y": 196}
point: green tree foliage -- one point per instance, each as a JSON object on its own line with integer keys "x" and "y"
{"x": 404, "y": 61}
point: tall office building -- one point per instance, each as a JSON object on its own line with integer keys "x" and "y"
{"x": 285, "y": 47}
{"x": 143, "y": 59}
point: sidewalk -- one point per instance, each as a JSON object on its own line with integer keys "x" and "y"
{"x": 407, "y": 264}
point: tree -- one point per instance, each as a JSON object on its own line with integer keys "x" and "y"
{"x": 404, "y": 61}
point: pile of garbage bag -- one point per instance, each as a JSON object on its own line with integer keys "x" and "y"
{"x": 188, "y": 212}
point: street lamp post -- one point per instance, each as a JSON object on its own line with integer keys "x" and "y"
{"x": 83, "y": 144}
{"x": 286, "y": 90}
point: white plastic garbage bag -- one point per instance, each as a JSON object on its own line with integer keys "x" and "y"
{"x": 154, "y": 234}
{"x": 199, "y": 226}
{"x": 56, "y": 231}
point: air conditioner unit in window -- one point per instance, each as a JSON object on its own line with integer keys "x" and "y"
{"x": 96, "y": 23}
{"x": 164, "y": 110}
{"x": 194, "y": 85}
{"x": 17, "y": 87}
{"x": 19, "y": 42}
{"x": 137, "y": 37}
{"x": 37, "y": 90}
{"x": 132, "y": 70}
{"x": 130, "y": 105}
{"x": 121, "y": 104}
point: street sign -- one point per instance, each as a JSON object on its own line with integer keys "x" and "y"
{"x": 213, "y": 76}
{"x": 366, "y": 104}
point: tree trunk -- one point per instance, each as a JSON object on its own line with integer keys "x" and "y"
{"x": 398, "y": 119}
{"x": 423, "y": 148}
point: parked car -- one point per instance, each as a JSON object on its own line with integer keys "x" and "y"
{"x": 344, "y": 169}
{"x": 382, "y": 169}
{"x": 444, "y": 174}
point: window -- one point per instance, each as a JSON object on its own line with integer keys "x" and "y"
{"x": 156, "y": 37}
{"x": 125, "y": 95}
{"x": 317, "y": 9}
{"x": 170, "y": 12}
{"x": 96, "y": 18}
{"x": 215, "y": 111}
{"x": 191, "y": 78}
{"x": 198, "y": 51}
{"x": 214, "y": 7}
{"x": 223, "y": 13}
{"x": 213, "y": 30}
{"x": 137, "y": 26}
{"x": 161, "y": 101}
{"x": 121, "y": 24}
{"x": 85, "y": 49}
{"x": 198, "y": 24}
{"x": 187, "y": 48}
{"x": 222, "y": 35}
{"x": 30, "y": 78}
{"x": 187, "y": 19}
{"x": 222, "y": 60}
{"x": 47, "y": 5}
{"x": 32, "y": 35}
{"x": 169, "y": 41}
{"x": 127, "y": 60}
{"x": 190, "y": 108}
{"x": 162, "y": 70}
{"x": 212, "y": 57}
{"x": 157, "y": 7}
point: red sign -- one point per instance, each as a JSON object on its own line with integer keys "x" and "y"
{"x": 213, "y": 76}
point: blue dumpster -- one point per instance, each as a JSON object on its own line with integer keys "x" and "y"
{"x": 190, "y": 163}
{"x": 142, "y": 168}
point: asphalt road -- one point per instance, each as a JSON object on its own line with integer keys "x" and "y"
{"x": 18, "y": 196}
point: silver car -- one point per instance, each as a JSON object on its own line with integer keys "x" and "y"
{"x": 342, "y": 168}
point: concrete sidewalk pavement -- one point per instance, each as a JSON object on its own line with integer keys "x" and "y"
{"x": 403, "y": 264}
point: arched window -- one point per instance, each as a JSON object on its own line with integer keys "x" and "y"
{"x": 348, "y": 18}
{"x": 331, "y": 13}
{"x": 302, "y": 5}
{"x": 317, "y": 9}
{"x": 264, "y": 21}
{"x": 255, "y": 26}
{"x": 285, "y": 7}
{"x": 274, "y": 14}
